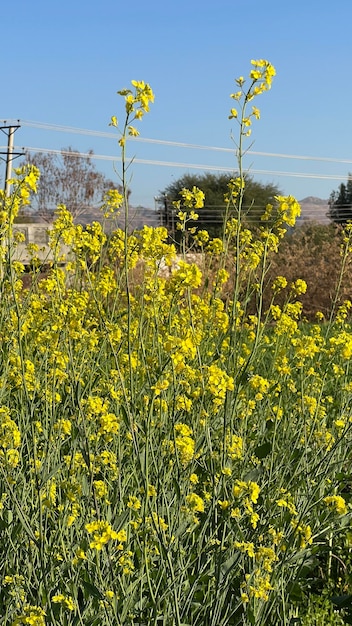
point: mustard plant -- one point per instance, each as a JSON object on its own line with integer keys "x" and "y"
{"x": 169, "y": 455}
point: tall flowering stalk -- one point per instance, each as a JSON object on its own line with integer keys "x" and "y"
{"x": 169, "y": 455}
{"x": 260, "y": 77}
{"x": 137, "y": 103}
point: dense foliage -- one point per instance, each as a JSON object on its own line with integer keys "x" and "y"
{"x": 215, "y": 187}
{"x": 340, "y": 203}
{"x": 168, "y": 456}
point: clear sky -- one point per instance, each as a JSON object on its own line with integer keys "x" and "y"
{"x": 63, "y": 62}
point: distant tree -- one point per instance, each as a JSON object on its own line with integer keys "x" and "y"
{"x": 215, "y": 186}
{"x": 340, "y": 203}
{"x": 69, "y": 178}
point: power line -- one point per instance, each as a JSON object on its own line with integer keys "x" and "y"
{"x": 195, "y": 166}
{"x": 10, "y": 154}
{"x": 109, "y": 135}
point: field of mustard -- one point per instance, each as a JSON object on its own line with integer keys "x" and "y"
{"x": 168, "y": 457}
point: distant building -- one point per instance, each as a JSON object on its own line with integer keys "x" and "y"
{"x": 37, "y": 234}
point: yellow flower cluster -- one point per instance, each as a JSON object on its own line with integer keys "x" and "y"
{"x": 103, "y": 533}
{"x": 261, "y": 77}
{"x": 288, "y": 209}
{"x": 234, "y": 446}
{"x": 336, "y": 503}
{"x": 218, "y": 383}
{"x": 165, "y": 424}
{"x": 137, "y": 101}
{"x": 97, "y": 409}
{"x": 257, "y": 583}
{"x": 32, "y": 615}
{"x": 185, "y": 444}
{"x": 66, "y": 601}
{"x": 112, "y": 202}
{"x": 10, "y": 439}
{"x": 195, "y": 503}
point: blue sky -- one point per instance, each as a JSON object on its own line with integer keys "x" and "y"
{"x": 63, "y": 62}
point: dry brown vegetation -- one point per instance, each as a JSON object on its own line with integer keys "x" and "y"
{"x": 313, "y": 253}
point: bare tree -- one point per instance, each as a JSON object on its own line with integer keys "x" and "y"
{"x": 69, "y": 178}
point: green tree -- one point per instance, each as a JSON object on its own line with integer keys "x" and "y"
{"x": 340, "y": 203}
{"x": 256, "y": 196}
{"x": 70, "y": 178}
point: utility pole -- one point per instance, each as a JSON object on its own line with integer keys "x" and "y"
{"x": 10, "y": 155}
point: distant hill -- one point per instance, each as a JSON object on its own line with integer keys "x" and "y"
{"x": 314, "y": 209}
{"x": 138, "y": 217}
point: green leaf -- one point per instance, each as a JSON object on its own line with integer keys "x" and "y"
{"x": 46, "y": 478}
{"x": 294, "y": 592}
{"x": 177, "y": 488}
{"x": 227, "y": 566}
{"x": 342, "y": 601}
{"x": 92, "y": 590}
{"x": 264, "y": 450}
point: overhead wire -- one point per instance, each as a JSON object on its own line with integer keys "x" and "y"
{"x": 110, "y": 135}
{"x": 178, "y": 144}
{"x": 195, "y": 166}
